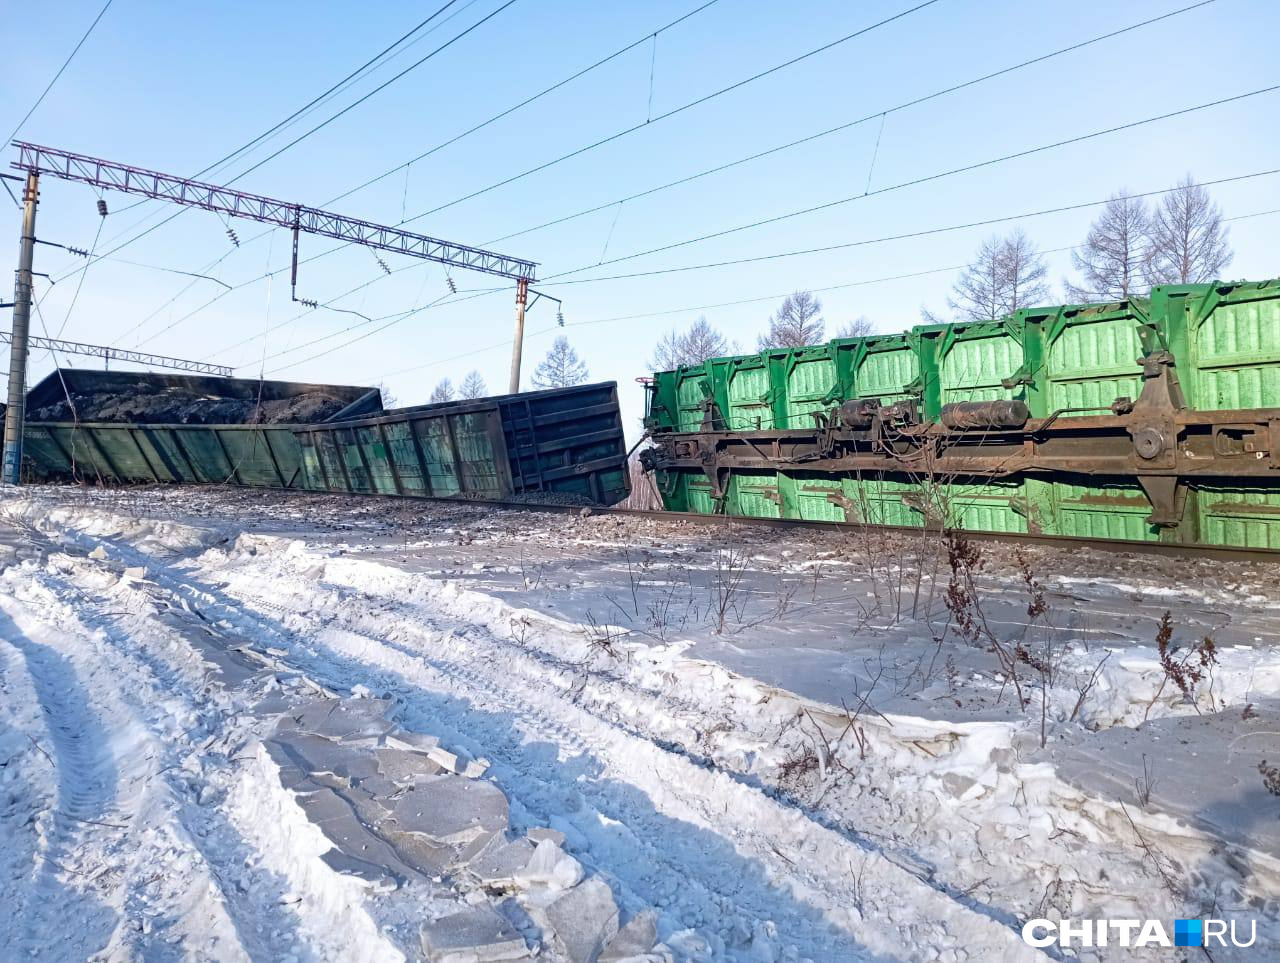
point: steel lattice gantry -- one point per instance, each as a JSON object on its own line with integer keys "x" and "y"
{"x": 107, "y": 353}
{"x": 311, "y": 220}
{"x": 109, "y": 175}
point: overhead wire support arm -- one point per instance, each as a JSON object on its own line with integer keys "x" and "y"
{"x": 107, "y": 353}
{"x": 210, "y": 197}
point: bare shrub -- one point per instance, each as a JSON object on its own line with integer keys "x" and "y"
{"x": 1084, "y": 689}
{"x": 1186, "y": 672}
{"x": 964, "y": 603}
{"x": 1145, "y": 784}
{"x": 602, "y": 638}
{"x": 802, "y": 761}
{"x": 1164, "y": 867}
{"x": 727, "y": 575}
{"x": 1270, "y": 777}
{"x": 520, "y": 631}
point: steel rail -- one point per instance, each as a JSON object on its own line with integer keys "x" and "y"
{"x": 1108, "y": 545}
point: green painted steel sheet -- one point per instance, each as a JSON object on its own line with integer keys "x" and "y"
{"x": 402, "y": 451}
{"x": 886, "y": 374}
{"x": 818, "y": 498}
{"x": 312, "y": 472}
{"x": 479, "y": 472}
{"x": 691, "y": 389}
{"x": 1102, "y": 509}
{"x": 353, "y": 461}
{"x": 972, "y": 368}
{"x": 986, "y": 506}
{"x": 382, "y": 476}
{"x": 194, "y": 454}
{"x": 1236, "y": 349}
{"x": 1248, "y": 517}
{"x": 565, "y": 440}
{"x": 812, "y": 385}
{"x": 750, "y": 398}
{"x": 1093, "y": 358}
{"x": 438, "y": 452}
{"x": 754, "y": 494}
{"x": 1224, "y": 337}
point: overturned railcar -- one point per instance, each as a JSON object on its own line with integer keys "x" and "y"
{"x": 120, "y": 427}
{"x": 564, "y": 443}
{"x": 1152, "y": 419}
{"x": 126, "y": 428}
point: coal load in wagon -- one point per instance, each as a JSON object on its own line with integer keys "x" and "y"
{"x": 103, "y": 427}
{"x": 158, "y": 399}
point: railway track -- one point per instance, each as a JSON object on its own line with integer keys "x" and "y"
{"x": 1112, "y": 545}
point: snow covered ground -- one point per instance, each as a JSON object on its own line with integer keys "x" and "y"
{"x": 243, "y": 725}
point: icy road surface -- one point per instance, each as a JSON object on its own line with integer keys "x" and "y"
{"x": 242, "y": 725}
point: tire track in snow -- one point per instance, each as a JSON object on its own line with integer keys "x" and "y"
{"x": 184, "y": 883}
{"x": 726, "y": 863}
{"x": 235, "y": 881}
{"x": 64, "y": 908}
{"x": 27, "y": 785}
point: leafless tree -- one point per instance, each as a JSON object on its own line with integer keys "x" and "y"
{"x": 443, "y": 391}
{"x": 1113, "y": 259}
{"x": 472, "y": 386}
{"x": 798, "y": 322}
{"x": 561, "y": 368}
{"x": 1188, "y": 242}
{"x": 693, "y": 346}
{"x": 388, "y": 396}
{"x": 859, "y": 327}
{"x": 1008, "y": 274}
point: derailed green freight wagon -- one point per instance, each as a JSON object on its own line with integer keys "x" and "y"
{"x": 1135, "y": 393}
{"x": 565, "y": 442}
{"x": 121, "y": 427}
{"x": 105, "y": 453}
{"x": 1232, "y": 335}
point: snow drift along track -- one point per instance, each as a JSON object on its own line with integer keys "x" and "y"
{"x": 751, "y": 875}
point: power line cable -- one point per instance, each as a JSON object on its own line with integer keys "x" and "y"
{"x": 315, "y": 101}
{"x": 354, "y": 75}
{"x": 898, "y": 237}
{"x": 298, "y": 317}
{"x": 671, "y": 113}
{"x": 66, "y": 63}
{"x": 1004, "y": 71}
{"x": 752, "y": 300}
{"x": 914, "y": 182}
{"x": 80, "y": 283}
{"x": 879, "y": 114}
{"x": 911, "y": 103}
{"x": 376, "y": 90}
{"x": 676, "y": 110}
{"x": 527, "y": 101}
{"x": 914, "y": 234}
{"x": 328, "y": 121}
{"x": 391, "y": 319}
{"x": 457, "y": 137}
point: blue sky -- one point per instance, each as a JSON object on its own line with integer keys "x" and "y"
{"x": 175, "y": 87}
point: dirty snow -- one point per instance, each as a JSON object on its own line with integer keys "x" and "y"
{"x": 245, "y": 725}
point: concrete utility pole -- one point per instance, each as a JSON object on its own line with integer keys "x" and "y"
{"x": 15, "y": 414}
{"x": 517, "y": 347}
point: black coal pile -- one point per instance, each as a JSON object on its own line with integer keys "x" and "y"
{"x": 179, "y": 405}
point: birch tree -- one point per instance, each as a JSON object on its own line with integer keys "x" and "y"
{"x": 797, "y": 323}
{"x": 1007, "y": 274}
{"x": 1113, "y": 260}
{"x": 1188, "y": 242}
